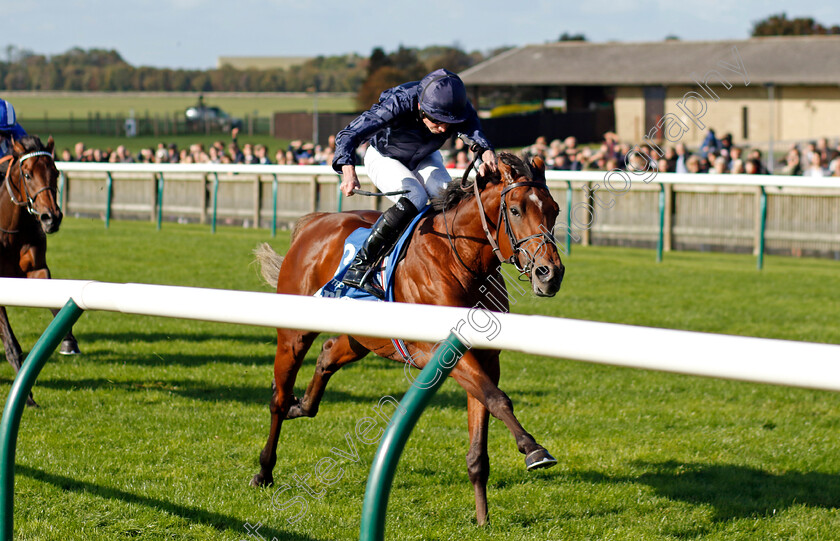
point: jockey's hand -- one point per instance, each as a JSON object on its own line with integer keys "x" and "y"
{"x": 488, "y": 163}
{"x": 349, "y": 180}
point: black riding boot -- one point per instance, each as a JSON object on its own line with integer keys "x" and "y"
{"x": 386, "y": 231}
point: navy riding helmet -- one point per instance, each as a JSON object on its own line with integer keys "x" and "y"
{"x": 444, "y": 97}
{"x": 7, "y": 116}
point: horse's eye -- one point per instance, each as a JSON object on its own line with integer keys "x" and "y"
{"x": 515, "y": 211}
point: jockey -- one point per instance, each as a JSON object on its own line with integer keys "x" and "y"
{"x": 406, "y": 130}
{"x": 9, "y": 128}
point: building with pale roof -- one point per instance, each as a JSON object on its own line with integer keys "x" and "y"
{"x": 787, "y": 88}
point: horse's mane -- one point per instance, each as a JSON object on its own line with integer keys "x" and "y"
{"x": 454, "y": 194}
{"x": 31, "y": 143}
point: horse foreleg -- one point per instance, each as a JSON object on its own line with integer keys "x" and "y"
{"x": 291, "y": 349}
{"x": 335, "y": 353}
{"x": 478, "y": 462}
{"x": 14, "y": 354}
{"x": 479, "y": 380}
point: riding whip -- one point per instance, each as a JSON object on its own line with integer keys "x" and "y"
{"x": 378, "y": 194}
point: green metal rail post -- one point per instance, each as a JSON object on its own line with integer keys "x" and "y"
{"x": 109, "y": 193}
{"x": 15, "y": 404}
{"x": 396, "y": 435}
{"x": 569, "y": 217}
{"x": 274, "y": 206}
{"x": 763, "y": 211}
{"x": 340, "y": 195}
{"x": 61, "y": 181}
{"x": 215, "y": 200}
{"x": 661, "y": 241}
{"x": 159, "y": 200}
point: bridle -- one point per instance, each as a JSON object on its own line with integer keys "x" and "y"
{"x": 503, "y": 218}
{"x": 27, "y": 200}
{"x": 516, "y": 244}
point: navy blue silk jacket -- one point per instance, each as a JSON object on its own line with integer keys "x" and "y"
{"x": 394, "y": 127}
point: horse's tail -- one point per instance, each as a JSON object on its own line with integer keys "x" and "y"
{"x": 269, "y": 262}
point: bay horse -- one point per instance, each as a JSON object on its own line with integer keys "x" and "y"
{"x": 29, "y": 211}
{"x": 451, "y": 255}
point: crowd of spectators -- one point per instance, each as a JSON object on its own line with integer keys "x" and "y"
{"x": 714, "y": 156}
{"x": 296, "y": 153}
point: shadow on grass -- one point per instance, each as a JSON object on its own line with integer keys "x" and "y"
{"x": 454, "y": 397}
{"x": 734, "y": 491}
{"x": 215, "y": 520}
{"x": 154, "y": 359}
{"x": 268, "y": 336}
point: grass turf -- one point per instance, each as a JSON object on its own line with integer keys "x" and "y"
{"x": 79, "y": 105}
{"x": 60, "y": 107}
{"x": 154, "y": 431}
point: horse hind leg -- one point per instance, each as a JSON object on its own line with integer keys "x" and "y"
{"x": 14, "y": 353}
{"x": 291, "y": 349}
{"x": 478, "y": 461}
{"x": 335, "y": 353}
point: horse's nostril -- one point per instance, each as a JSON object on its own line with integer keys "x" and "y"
{"x": 543, "y": 273}
{"x": 46, "y": 218}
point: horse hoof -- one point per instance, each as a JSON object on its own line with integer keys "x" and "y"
{"x": 295, "y": 411}
{"x": 69, "y": 347}
{"x": 260, "y": 481}
{"x": 539, "y": 459}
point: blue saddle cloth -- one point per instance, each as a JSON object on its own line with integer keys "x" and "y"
{"x": 384, "y": 274}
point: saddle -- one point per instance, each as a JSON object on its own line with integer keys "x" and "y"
{"x": 383, "y": 274}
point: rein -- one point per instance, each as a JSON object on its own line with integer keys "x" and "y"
{"x": 481, "y": 213}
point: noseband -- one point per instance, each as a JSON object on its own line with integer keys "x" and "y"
{"x": 28, "y": 200}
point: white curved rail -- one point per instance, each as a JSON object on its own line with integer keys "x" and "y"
{"x": 781, "y": 362}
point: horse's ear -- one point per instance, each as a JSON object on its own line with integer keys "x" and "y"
{"x": 17, "y": 148}
{"x": 538, "y": 168}
{"x": 50, "y": 144}
{"x": 505, "y": 169}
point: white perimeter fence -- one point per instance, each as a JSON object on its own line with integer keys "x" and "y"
{"x": 781, "y": 362}
{"x": 677, "y": 211}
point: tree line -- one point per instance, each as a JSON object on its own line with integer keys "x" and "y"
{"x": 780, "y": 25}
{"x": 106, "y": 70}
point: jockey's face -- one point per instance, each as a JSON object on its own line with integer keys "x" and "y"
{"x": 433, "y": 125}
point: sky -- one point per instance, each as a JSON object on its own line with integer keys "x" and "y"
{"x": 192, "y": 34}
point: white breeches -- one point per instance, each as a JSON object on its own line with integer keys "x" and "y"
{"x": 389, "y": 175}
